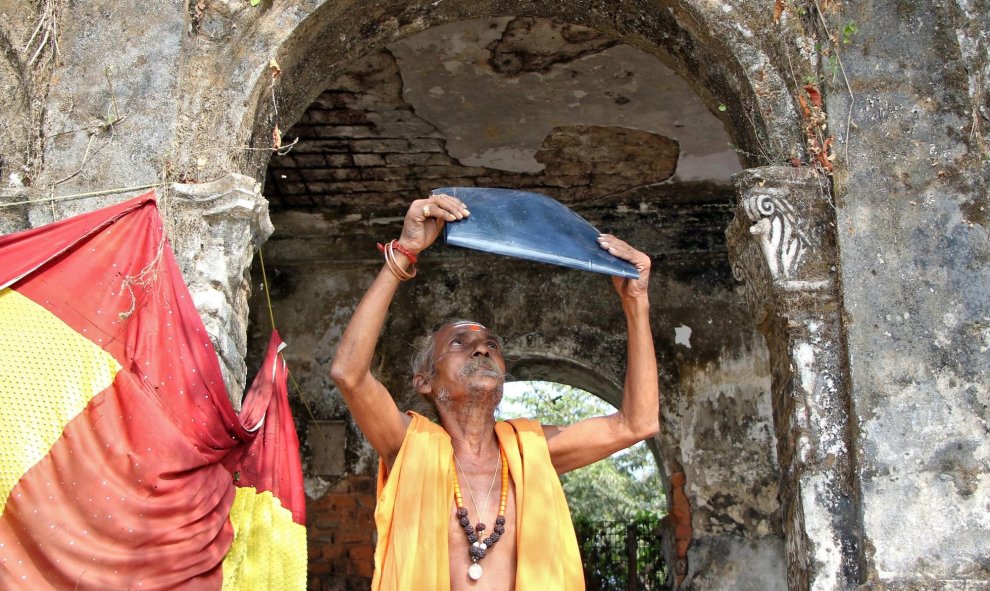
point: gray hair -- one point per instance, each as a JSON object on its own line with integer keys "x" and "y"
{"x": 424, "y": 359}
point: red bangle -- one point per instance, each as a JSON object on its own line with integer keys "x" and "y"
{"x": 405, "y": 251}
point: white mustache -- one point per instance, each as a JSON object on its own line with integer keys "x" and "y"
{"x": 483, "y": 365}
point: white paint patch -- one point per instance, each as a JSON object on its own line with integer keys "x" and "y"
{"x": 506, "y": 158}
{"x": 682, "y": 335}
{"x": 488, "y": 100}
{"x": 719, "y": 165}
{"x": 436, "y": 91}
{"x": 744, "y": 30}
{"x": 315, "y": 486}
{"x": 817, "y": 523}
{"x": 805, "y": 358}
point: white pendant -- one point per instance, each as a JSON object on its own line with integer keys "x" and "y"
{"x": 474, "y": 571}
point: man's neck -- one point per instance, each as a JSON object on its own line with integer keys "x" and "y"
{"x": 472, "y": 432}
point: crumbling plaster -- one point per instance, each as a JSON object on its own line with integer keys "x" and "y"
{"x": 188, "y": 96}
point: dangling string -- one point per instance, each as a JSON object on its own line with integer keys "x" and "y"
{"x": 264, "y": 282}
{"x": 295, "y": 384}
{"x": 79, "y": 195}
{"x": 491, "y": 487}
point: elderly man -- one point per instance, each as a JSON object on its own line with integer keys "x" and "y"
{"x": 440, "y": 523}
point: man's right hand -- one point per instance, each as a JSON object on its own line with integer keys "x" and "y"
{"x": 426, "y": 217}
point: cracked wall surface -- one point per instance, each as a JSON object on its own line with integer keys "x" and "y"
{"x": 888, "y": 357}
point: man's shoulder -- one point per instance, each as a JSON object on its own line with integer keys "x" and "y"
{"x": 421, "y": 424}
{"x": 524, "y": 425}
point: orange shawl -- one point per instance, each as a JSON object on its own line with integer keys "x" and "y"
{"x": 415, "y": 503}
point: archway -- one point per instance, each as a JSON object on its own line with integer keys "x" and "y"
{"x": 370, "y": 142}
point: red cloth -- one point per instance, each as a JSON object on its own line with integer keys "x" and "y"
{"x": 137, "y": 490}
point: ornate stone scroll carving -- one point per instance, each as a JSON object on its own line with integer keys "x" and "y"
{"x": 778, "y": 239}
{"x": 780, "y": 234}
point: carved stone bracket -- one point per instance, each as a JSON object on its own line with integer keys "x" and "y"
{"x": 781, "y": 237}
{"x": 781, "y": 245}
{"x": 215, "y": 228}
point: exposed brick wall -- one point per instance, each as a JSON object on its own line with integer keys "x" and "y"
{"x": 341, "y": 532}
{"x": 361, "y": 143}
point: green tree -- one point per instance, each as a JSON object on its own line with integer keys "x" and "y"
{"x": 617, "y": 488}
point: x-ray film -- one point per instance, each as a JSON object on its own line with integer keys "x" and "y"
{"x": 530, "y": 226}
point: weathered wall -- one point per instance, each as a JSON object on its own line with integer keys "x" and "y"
{"x": 188, "y": 96}
{"x": 914, "y": 239}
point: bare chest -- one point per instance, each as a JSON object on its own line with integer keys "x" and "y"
{"x": 498, "y": 566}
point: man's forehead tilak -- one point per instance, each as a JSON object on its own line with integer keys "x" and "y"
{"x": 469, "y": 325}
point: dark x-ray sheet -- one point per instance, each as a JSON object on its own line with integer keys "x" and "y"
{"x": 530, "y": 226}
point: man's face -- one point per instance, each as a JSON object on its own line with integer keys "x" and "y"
{"x": 468, "y": 361}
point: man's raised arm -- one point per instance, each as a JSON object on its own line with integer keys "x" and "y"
{"x": 588, "y": 441}
{"x": 369, "y": 401}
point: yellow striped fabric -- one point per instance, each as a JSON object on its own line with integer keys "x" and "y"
{"x": 269, "y": 549}
{"x": 48, "y": 374}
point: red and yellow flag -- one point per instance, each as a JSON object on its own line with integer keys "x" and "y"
{"x": 123, "y": 464}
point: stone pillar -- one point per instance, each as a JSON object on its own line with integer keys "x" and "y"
{"x": 782, "y": 246}
{"x": 215, "y": 228}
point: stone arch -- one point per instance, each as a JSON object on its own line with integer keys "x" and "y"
{"x": 193, "y": 83}
{"x": 536, "y": 365}
{"x": 760, "y": 116}
{"x": 726, "y": 62}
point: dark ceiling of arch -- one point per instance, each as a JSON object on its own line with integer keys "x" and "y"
{"x": 522, "y": 103}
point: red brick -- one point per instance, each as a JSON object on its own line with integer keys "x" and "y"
{"x": 352, "y": 536}
{"x": 362, "y": 553}
{"x": 343, "y": 501}
{"x": 333, "y": 551}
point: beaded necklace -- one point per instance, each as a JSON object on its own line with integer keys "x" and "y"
{"x": 478, "y": 549}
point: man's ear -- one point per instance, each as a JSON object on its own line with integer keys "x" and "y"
{"x": 422, "y": 385}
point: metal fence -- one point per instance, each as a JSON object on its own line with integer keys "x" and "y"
{"x": 622, "y": 555}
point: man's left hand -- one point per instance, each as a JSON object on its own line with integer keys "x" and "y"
{"x": 628, "y": 289}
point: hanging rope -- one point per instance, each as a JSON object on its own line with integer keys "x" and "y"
{"x": 264, "y": 281}
{"x": 295, "y": 384}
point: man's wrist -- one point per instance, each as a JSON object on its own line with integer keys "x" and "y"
{"x": 405, "y": 251}
{"x": 399, "y": 260}
{"x": 636, "y": 305}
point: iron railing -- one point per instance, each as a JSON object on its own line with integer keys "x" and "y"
{"x": 622, "y": 555}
